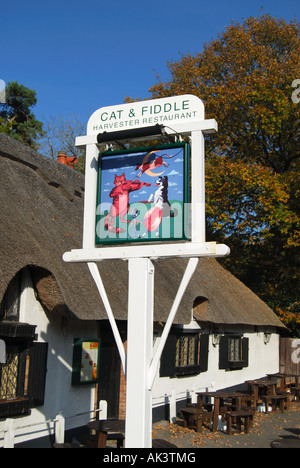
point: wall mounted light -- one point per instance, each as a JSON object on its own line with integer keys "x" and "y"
{"x": 267, "y": 337}
{"x": 216, "y": 337}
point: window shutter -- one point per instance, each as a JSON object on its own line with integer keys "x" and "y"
{"x": 245, "y": 352}
{"x": 223, "y": 353}
{"x": 167, "y": 362}
{"x": 37, "y": 373}
{"x": 21, "y": 370}
{"x": 204, "y": 343}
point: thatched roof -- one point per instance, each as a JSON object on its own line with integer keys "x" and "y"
{"x": 41, "y": 218}
{"x": 216, "y": 296}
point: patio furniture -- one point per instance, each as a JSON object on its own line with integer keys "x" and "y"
{"x": 239, "y": 418}
{"x": 276, "y": 401}
{"x": 289, "y": 397}
{"x": 283, "y": 380}
{"x": 259, "y": 388}
{"x": 224, "y": 401}
{"x": 108, "y": 429}
{"x": 67, "y": 445}
{"x": 296, "y": 392}
{"x": 161, "y": 443}
{"x": 193, "y": 417}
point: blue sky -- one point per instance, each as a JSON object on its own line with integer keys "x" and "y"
{"x": 83, "y": 55}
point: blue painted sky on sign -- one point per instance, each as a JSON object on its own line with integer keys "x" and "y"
{"x": 173, "y": 168}
{"x": 80, "y": 56}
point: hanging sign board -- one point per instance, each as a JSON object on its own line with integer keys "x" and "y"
{"x": 147, "y": 201}
{"x": 143, "y": 194}
{"x": 185, "y": 109}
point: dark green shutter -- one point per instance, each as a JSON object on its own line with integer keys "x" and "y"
{"x": 245, "y": 352}
{"x": 204, "y": 343}
{"x": 223, "y": 353}
{"x": 167, "y": 362}
{"x": 21, "y": 370}
{"x": 37, "y": 373}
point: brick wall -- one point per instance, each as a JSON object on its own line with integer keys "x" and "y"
{"x": 122, "y": 401}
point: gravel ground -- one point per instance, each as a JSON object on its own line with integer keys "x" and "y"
{"x": 266, "y": 428}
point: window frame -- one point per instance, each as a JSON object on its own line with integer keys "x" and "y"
{"x": 224, "y": 352}
{"x": 187, "y": 357}
{"x": 169, "y": 361}
{"x": 30, "y": 375}
{"x": 27, "y": 389}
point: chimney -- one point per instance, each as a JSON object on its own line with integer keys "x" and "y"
{"x": 67, "y": 161}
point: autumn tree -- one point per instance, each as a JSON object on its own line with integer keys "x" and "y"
{"x": 245, "y": 78}
{"x": 16, "y": 117}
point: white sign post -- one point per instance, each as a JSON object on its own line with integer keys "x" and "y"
{"x": 178, "y": 115}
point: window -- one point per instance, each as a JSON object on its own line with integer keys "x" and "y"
{"x": 9, "y": 374}
{"x": 234, "y": 349}
{"x": 23, "y": 364}
{"x": 187, "y": 350}
{"x": 233, "y": 352}
{"x": 22, "y": 377}
{"x": 185, "y": 353}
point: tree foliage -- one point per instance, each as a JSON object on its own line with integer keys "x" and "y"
{"x": 244, "y": 78}
{"x": 60, "y": 134}
{"x": 16, "y": 118}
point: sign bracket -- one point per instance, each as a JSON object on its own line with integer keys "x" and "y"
{"x": 100, "y": 286}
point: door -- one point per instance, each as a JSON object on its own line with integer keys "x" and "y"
{"x": 110, "y": 372}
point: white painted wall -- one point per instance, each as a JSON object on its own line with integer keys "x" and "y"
{"x": 263, "y": 359}
{"x": 60, "y": 395}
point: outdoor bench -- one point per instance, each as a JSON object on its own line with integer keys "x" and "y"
{"x": 92, "y": 440}
{"x": 296, "y": 392}
{"x": 238, "y": 418}
{"x": 161, "y": 443}
{"x": 67, "y": 445}
{"x": 276, "y": 401}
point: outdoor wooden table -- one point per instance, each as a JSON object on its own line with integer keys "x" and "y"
{"x": 103, "y": 426}
{"x": 219, "y": 397}
{"x": 261, "y": 387}
{"x": 282, "y": 376}
{"x": 296, "y": 392}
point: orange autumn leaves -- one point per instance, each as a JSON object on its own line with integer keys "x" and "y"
{"x": 250, "y": 199}
{"x": 244, "y": 78}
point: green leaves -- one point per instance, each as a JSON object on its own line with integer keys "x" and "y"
{"x": 244, "y": 78}
{"x": 16, "y": 118}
